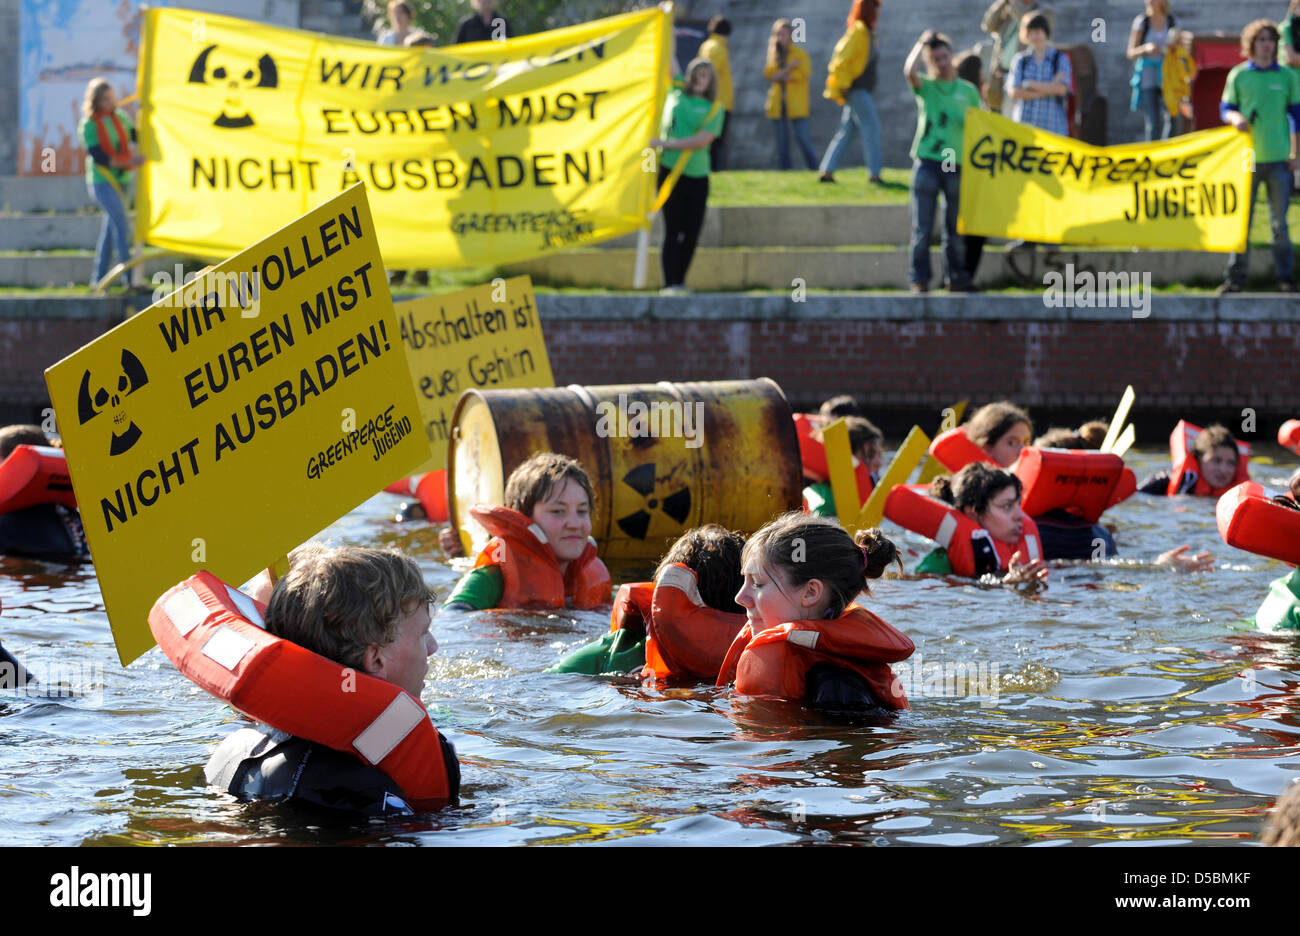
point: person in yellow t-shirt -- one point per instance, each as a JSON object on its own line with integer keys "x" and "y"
{"x": 1177, "y": 73}
{"x": 788, "y": 68}
{"x": 850, "y": 83}
{"x": 714, "y": 49}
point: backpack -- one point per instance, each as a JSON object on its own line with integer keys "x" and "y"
{"x": 1056, "y": 67}
{"x": 1146, "y": 26}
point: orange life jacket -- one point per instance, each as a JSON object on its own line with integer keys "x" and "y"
{"x": 631, "y": 609}
{"x": 1250, "y": 520}
{"x": 120, "y": 154}
{"x": 1126, "y": 488}
{"x": 954, "y": 450}
{"x": 529, "y": 568}
{"x": 213, "y": 634}
{"x": 812, "y": 456}
{"x": 35, "y": 474}
{"x": 1081, "y": 482}
{"x": 685, "y": 638}
{"x": 776, "y": 661}
{"x": 912, "y": 508}
{"x": 1187, "y": 467}
{"x": 1289, "y": 435}
{"x": 429, "y": 489}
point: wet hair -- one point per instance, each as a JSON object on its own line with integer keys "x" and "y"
{"x": 1032, "y": 20}
{"x": 339, "y": 601}
{"x": 1252, "y": 32}
{"x": 1212, "y": 437}
{"x": 1060, "y": 438}
{"x": 824, "y": 551}
{"x": 1282, "y": 827}
{"x": 974, "y": 487}
{"x": 710, "y": 92}
{"x": 536, "y": 479}
{"x": 13, "y": 436}
{"x": 1093, "y": 433}
{"x": 719, "y": 26}
{"x": 865, "y": 12}
{"x": 96, "y": 87}
{"x": 712, "y": 552}
{"x": 837, "y": 406}
{"x": 969, "y": 68}
{"x": 991, "y": 422}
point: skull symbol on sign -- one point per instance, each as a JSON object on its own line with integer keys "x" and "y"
{"x": 90, "y": 403}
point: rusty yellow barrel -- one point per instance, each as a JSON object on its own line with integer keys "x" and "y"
{"x": 662, "y": 458}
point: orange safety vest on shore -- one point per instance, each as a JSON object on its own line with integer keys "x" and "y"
{"x": 529, "y": 569}
{"x": 776, "y": 661}
{"x": 685, "y": 638}
{"x": 213, "y": 634}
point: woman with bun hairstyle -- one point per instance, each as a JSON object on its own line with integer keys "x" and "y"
{"x": 805, "y": 639}
{"x": 991, "y": 498}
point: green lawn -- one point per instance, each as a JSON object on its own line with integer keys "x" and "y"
{"x": 800, "y": 187}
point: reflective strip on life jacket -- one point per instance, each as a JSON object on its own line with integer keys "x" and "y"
{"x": 1250, "y": 520}
{"x": 913, "y": 509}
{"x": 201, "y": 626}
{"x": 35, "y": 474}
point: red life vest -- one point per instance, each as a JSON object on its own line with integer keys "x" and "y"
{"x": 954, "y": 450}
{"x": 429, "y": 489}
{"x": 1250, "y": 520}
{"x": 213, "y": 634}
{"x": 529, "y": 568}
{"x": 1081, "y": 482}
{"x": 1289, "y": 435}
{"x": 912, "y": 508}
{"x": 812, "y": 456}
{"x": 685, "y": 638}
{"x": 632, "y": 607}
{"x": 1126, "y": 488}
{"x": 119, "y": 152}
{"x": 35, "y": 474}
{"x": 776, "y": 661}
{"x": 1186, "y": 465}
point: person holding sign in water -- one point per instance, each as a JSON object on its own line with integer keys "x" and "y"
{"x": 541, "y": 554}
{"x": 1263, "y": 99}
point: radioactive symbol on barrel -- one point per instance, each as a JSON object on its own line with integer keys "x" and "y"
{"x": 676, "y": 505}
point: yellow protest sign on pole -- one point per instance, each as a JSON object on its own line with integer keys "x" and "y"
{"x": 839, "y": 462}
{"x": 906, "y": 459}
{"x": 238, "y": 416}
{"x": 479, "y": 154}
{"x": 1188, "y": 193}
{"x": 484, "y": 338}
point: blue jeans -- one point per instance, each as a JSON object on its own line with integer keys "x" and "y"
{"x": 1151, "y": 104}
{"x": 800, "y": 135}
{"x": 115, "y": 226}
{"x": 1277, "y": 177}
{"x": 928, "y": 180}
{"x": 858, "y": 116}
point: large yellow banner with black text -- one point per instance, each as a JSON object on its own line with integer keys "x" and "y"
{"x": 240, "y": 415}
{"x": 472, "y": 155}
{"x": 1188, "y": 193}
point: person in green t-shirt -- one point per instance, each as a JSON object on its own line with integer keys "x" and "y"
{"x": 942, "y": 100}
{"x": 1263, "y": 99}
{"x": 692, "y": 120}
{"x": 107, "y": 133}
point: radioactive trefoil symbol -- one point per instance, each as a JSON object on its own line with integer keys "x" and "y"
{"x": 676, "y": 505}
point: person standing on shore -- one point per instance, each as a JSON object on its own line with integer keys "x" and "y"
{"x": 851, "y": 81}
{"x": 788, "y": 68}
{"x": 108, "y": 134}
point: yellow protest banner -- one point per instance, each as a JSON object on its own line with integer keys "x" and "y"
{"x": 1188, "y": 193}
{"x": 238, "y": 416}
{"x": 479, "y": 154}
{"x": 486, "y": 337}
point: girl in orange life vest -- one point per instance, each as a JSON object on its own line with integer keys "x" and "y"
{"x": 995, "y": 435}
{"x": 805, "y": 639}
{"x": 1213, "y": 468}
{"x": 991, "y": 498}
{"x": 541, "y": 554}
{"x": 678, "y": 626}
